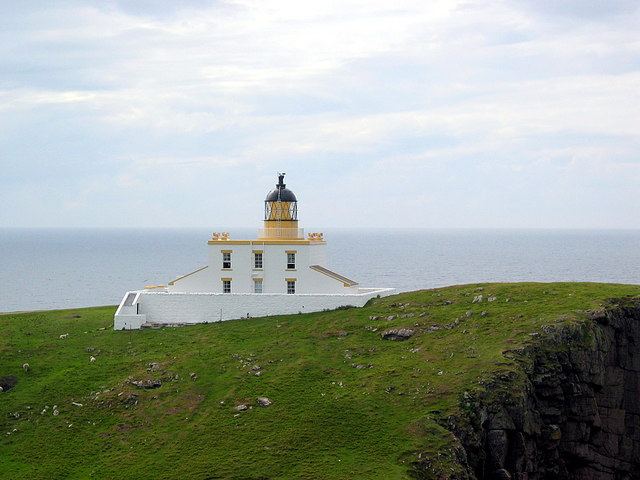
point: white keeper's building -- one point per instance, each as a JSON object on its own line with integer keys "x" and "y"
{"x": 280, "y": 272}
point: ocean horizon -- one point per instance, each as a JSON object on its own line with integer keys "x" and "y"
{"x": 54, "y": 268}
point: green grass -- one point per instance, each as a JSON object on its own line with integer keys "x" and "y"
{"x": 329, "y": 420}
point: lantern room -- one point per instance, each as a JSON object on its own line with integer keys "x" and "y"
{"x": 281, "y": 214}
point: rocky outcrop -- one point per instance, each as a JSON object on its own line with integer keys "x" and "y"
{"x": 397, "y": 334}
{"x": 573, "y": 413}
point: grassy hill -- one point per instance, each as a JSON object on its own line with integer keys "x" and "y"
{"x": 346, "y": 403}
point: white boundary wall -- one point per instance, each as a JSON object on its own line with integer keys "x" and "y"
{"x": 187, "y": 308}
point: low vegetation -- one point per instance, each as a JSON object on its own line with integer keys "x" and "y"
{"x": 177, "y": 403}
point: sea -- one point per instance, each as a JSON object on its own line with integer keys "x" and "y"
{"x": 42, "y": 269}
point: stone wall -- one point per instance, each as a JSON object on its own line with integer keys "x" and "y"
{"x": 186, "y": 308}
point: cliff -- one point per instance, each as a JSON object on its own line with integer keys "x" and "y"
{"x": 573, "y": 412}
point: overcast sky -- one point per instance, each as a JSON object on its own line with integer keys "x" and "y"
{"x": 440, "y": 113}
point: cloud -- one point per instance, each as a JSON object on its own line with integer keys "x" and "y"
{"x": 450, "y": 103}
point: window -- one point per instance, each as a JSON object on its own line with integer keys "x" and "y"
{"x": 291, "y": 260}
{"x": 226, "y": 286}
{"x": 257, "y": 286}
{"x": 257, "y": 260}
{"x": 291, "y": 286}
{"x": 226, "y": 259}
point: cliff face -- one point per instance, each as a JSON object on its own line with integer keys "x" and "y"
{"x": 577, "y": 416}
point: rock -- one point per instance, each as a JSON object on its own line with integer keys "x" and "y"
{"x": 131, "y": 399}
{"x": 497, "y": 449}
{"x": 8, "y": 382}
{"x": 264, "y": 401}
{"x": 147, "y": 384}
{"x": 484, "y": 314}
{"x": 397, "y": 334}
{"x": 241, "y": 408}
{"x": 491, "y": 299}
{"x": 575, "y": 416}
{"x": 469, "y": 313}
{"x": 454, "y": 324}
{"x": 193, "y": 376}
{"x": 477, "y": 299}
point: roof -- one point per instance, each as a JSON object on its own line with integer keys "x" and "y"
{"x": 281, "y": 193}
{"x": 336, "y": 276}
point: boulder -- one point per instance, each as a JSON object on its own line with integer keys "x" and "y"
{"x": 147, "y": 384}
{"x": 264, "y": 401}
{"x": 7, "y": 383}
{"x": 397, "y": 334}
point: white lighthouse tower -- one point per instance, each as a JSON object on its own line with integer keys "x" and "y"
{"x": 280, "y": 272}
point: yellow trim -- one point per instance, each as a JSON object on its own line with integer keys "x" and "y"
{"x": 226, "y": 269}
{"x": 257, "y": 251}
{"x": 291, "y": 270}
{"x": 226, "y": 251}
{"x": 257, "y": 279}
{"x": 269, "y": 242}
{"x": 184, "y": 276}
{"x": 278, "y": 223}
{"x": 290, "y": 279}
{"x": 157, "y": 286}
{"x": 258, "y": 269}
{"x": 226, "y": 279}
{"x": 230, "y": 242}
{"x": 290, "y": 251}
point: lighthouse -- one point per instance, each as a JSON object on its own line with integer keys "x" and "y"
{"x": 281, "y": 271}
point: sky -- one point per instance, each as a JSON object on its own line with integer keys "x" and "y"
{"x": 390, "y": 114}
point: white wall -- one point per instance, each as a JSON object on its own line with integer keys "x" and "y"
{"x": 171, "y": 308}
{"x": 273, "y": 274}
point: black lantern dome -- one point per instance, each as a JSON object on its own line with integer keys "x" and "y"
{"x": 281, "y": 203}
{"x": 281, "y": 193}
